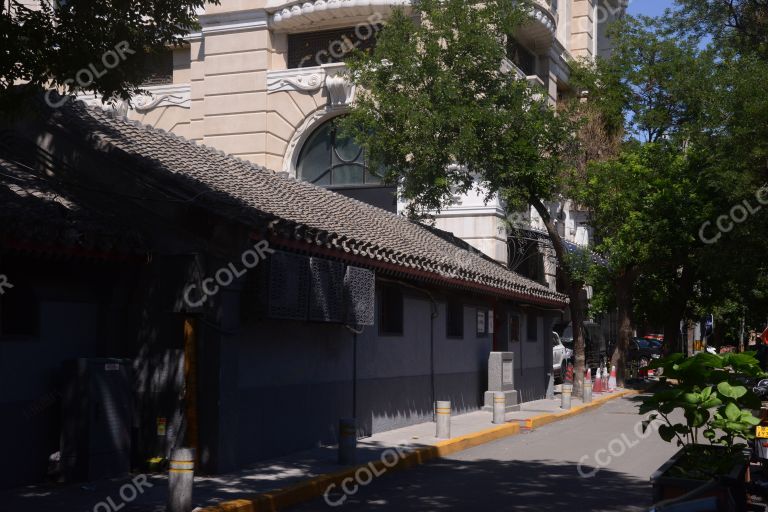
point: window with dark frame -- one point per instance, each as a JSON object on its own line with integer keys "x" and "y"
{"x": 310, "y": 49}
{"x": 330, "y": 159}
{"x": 19, "y": 312}
{"x": 158, "y": 68}
{"x": 390, "y": 311}
{"x": 532, "y": 326}
{"x": 454, "y": 319}
{"x": 521, "y": 56}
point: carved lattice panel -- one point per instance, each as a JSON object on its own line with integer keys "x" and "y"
{"x": 359, "y": 293}
{"x": 288, "y": 286}
{"x": 326, "y": 300}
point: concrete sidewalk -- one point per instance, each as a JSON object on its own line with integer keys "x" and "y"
{"x": 295, "y": 478}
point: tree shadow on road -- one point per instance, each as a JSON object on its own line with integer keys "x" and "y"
{"x": 495, "y": 485}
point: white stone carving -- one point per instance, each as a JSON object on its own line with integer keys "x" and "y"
{"x": 301, "y": 79}
{"x": 178, "y": 95}
{"x": 542, "y": 13}
{"x": 341, "y": 92}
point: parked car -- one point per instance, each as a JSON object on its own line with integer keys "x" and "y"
{"x": 560, "y": 355}
{"x": 642, "y": 348}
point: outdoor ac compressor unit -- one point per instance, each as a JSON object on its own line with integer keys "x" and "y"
{"x": 97, "y": 415}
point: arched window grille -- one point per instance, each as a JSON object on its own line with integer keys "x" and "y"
{"x": 330, "y": 159}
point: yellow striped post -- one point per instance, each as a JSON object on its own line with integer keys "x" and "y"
{"x": 443, "y": 419}
{"x": 181, "y": 476}
{"x": 499, "y": 407}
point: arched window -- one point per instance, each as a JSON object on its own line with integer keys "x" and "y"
{"x": 329, "y": 159}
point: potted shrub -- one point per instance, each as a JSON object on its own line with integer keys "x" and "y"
{"x": 704, "y": 407}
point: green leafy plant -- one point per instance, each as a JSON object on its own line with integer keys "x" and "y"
{"x": 709, "y": 390}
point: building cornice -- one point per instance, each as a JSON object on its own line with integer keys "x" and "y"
{"x": 292, "y": 16}
{"x": 228, "y": 22}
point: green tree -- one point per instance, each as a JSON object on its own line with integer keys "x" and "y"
{"x": 696, "y": 148}
{"x": 438, "y": 113}
{"x": 738, "y": 24}
{"x": 47, "y": 45}
{"x": 627, "y": 197}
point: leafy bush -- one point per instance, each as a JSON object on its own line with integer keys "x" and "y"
{"x": 717, "y": 407}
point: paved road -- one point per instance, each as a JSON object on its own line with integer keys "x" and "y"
{"x": 534, "y": 471}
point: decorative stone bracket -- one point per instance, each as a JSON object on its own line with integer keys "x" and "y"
{"x": 341, "y": 92}
{"x": 178, "y": 95}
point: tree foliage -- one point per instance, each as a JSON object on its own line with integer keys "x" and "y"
{"x": 436, "y": 110}
{"x": 48, "y": 44}
{"x": 695, "y": 148}
{"x": 439, "y": 112}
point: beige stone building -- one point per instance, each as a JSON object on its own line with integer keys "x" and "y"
{"x": 261, "y": 81}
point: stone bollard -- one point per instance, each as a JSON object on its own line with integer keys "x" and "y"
{"x": 443, "y": 419}
{"x": 587, "y": 392}
{"x": 565, "y": 396}
{"x": 347, "y": 441}
{"x": 181, "y": 476}
{"x": 499, "y": 406}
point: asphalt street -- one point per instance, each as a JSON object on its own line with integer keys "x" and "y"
{"x": 597, "y": 461}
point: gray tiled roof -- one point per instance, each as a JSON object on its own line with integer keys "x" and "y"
{"x": 41, "y": 214}
{"x": 302, "y": 211}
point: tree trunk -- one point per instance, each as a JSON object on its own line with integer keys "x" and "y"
{"x": 624, "y": 282}
{"x": 573, "y": 290}
{"x": 677, "y": 305}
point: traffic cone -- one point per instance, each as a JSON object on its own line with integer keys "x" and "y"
{"x": 605, "y": 379}
{"x": 588, "y": 375}
{"x": 612, "y": 380}
{"x": 597, "y": 387}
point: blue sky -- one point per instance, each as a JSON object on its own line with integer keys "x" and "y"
{"x": 649, "y": 7}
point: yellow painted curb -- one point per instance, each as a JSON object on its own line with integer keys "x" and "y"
{"x": 544, "y": 419}
{"x": 317, "y": 486}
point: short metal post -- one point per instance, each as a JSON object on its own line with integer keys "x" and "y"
{"x": 565, "y": 396}
{"x": 499, "y": 406}
{"x": 181, "y": 477}
{"x": 347, "y": 441}
{"x": 587, "y": 396}
{"x": 443, "y": 419}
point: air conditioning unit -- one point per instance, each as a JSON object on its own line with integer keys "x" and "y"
{"x": 97, "y": 415}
